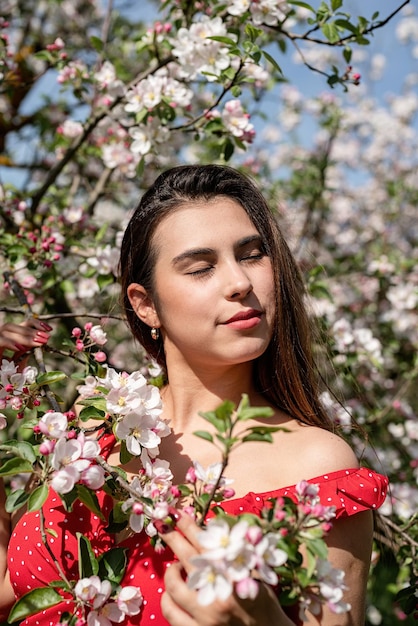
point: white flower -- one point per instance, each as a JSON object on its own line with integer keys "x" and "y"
{"x": 129, "y": 600}
{"x": 3, "y": 421}
{"x": 267, "y": 12}
{"x": 98, "y": 335}
{"x": 235, "y": 118}
{"x": 105, "y": 261}
{"x": 210, "y": 580}
{"x": 197, "y": 53}
{"x": 269, "y": 556}
{"x": 63, "y": 480}
{"x": 145, "y": 135}
{"x": 71, "y": 129}
{"x": 53, "y": 425}
{"x": 238, "y": 7}
{"x": 137, "y": 431}
{"x": 331, "y": 585}
{"x": 93, "y": 591}
{"x": 210, "y": 475}
{"x": 93, "y": 477}
{"x": 89, "y": 389}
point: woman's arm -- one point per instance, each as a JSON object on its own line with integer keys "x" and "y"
{"x": 7, "y": 597}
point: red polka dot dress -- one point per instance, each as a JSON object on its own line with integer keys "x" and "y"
{"x": 31, "y": 565}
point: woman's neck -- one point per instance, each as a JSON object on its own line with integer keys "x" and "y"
{"x": 190, "y": 391}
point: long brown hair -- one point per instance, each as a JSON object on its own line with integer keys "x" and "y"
{"x": 285, "y": 374}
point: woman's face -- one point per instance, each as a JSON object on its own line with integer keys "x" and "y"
{"x": 213, "y": 284}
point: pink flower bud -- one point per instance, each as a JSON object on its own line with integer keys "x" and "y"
{"x": 279, "y": 515}
{"x": 137, "y": 508}
{"x": 79, "y": 345}
{"x": 283, "y": 532}
{"x": 88, "y": 326}
{"x": 191, "y": 475}
{"x": 175, "y": 491}
{"x": 47, "y": 447}
{"x": 16, "y": 403}
{"x": 254, "y": 535}
{"x": 228, "y": 493}
{"x": 71, "y": 434}
{"x": 76, "y": 332}
{"x": 100, "y": 357}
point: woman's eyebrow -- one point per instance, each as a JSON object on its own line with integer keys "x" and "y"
{"x": 250, "y": 239}
{"x": 191, "y": 254}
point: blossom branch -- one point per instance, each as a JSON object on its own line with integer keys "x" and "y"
{"x": 343, "y": 40}
{"x": 69, "y": 154}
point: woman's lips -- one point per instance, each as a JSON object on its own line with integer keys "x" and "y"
{"x": 244, "y": 320}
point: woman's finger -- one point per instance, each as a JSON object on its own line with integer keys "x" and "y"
{"x": 183, "y": 539}
{"x": 24, "y": 336}
{"x": 176, "y": 598}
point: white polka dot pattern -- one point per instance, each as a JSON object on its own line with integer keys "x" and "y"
{"x": 30, "y": 565}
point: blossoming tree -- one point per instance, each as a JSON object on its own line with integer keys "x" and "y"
{"x": 132, "y": 99}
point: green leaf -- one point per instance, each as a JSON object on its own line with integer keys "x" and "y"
{"x": 331, "y": 32}
{"x": 336, "y": 4}
{"x": 22, "y": 449}
{"x": 252, "y": 32}
{"x": 96, "y": 43}
{"x": 16, "y": 499}
{"x": 346, "y": 25}
{"x": 89, "y": 498}
{"x": 37, "y": 498}
{"x": 87, "y": 562}
{"x": 103, "y": 280}
{"x": 298, "y": 3}
{"x": 203, "y": 434}
{"x": 273, "y": 61}
{"x": 33, "y": 602}
{"x": 317, "y": 547}
{"x": 226, "y": 40}
{"x": 48, "y": 378}
{"x": 125, "y": 456}
{"x": 15, "y": 466}
{"x": 117, "y": 519}
{"x": 91, "y": 412}
{"x": 236, "y": 91}
{"x": 68, "y": 499}
{"x": 228, "y": 149}
{"x": 247, "y": 412}
{"x": 347, "y": 53}
{"x": 98, "y": 402}
{"x": 112, "y": 565}
{"x": 221, "y": 417}
{"x": 101, "y": 232}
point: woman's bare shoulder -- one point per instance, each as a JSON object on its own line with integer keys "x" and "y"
{"x": 322, "y": 451}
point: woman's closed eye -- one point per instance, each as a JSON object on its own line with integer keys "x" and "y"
{"x": 202, "y": 271}
{"x": 254, "y": 255}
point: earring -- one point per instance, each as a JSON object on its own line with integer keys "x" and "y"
{"x": 155, "y": 333}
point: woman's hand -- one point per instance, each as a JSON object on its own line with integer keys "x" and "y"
{"x": 179, "y": 603}
{"x": 20, "y": 338}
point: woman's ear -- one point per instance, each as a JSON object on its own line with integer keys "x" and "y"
{"x": 143, "y": 305}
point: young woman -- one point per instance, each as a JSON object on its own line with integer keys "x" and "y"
{"x": 213, "y": 293}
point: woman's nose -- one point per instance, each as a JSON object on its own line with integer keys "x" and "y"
{"x": 238, "y": 283}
